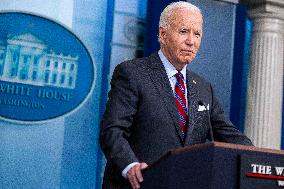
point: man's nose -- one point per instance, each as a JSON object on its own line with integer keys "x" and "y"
{"x": 190, "y": 38}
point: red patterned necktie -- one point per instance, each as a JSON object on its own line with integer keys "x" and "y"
{"x": 181, "y": 102}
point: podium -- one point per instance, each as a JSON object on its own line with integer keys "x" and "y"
{"x": 217, "y": 166}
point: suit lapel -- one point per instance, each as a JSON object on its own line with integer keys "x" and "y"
{"x": 192, "y": 99}
{"x": 161, "y": 82}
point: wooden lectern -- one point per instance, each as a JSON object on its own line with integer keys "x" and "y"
{"x": 217, "y": 166}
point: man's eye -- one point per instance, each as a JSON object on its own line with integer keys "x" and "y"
{"x": 197, "y": 34}
{"x": 183, "y": 31}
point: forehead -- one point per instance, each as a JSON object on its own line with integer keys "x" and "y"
{"x": 185, "y": 16}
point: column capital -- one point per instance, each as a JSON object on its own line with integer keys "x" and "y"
{"x": 265, "y": 8}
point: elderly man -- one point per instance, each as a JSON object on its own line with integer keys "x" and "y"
{"x": 157, "y": 104}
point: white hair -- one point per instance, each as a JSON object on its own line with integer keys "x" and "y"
{"x": 166, "y": 15}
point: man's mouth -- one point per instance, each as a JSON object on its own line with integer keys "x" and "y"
{"x": 187, "y": 51}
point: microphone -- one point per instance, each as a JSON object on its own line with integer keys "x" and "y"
{"x": 200, "y": 103}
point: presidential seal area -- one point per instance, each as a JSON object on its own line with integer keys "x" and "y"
{"x": 15, "y": 89}
{"x": 41, "y": 78}
{"x": 20, "y": 90}
{"x": 53, "y": 94}
{"x": 21, "y": 103}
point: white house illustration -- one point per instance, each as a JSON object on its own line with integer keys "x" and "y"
{"x": 26, "y": 59}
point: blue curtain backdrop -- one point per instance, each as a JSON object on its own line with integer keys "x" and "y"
{"x": 240, "y": 66}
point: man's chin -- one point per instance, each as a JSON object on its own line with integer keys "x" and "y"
{"x": 187, "y": 60}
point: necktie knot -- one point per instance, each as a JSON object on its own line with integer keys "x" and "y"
{"x": 180, "y": 83}
{"x": 179, "y": 76}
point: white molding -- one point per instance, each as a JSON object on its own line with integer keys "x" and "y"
{"x": 230, "y": 1}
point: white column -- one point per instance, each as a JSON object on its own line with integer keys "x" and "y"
{"x": 265, "y": 88}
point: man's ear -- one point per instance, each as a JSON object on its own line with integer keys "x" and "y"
{"x": 162, "y": 35}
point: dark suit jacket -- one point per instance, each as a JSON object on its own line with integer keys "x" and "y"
{"x": 141, "y": 120}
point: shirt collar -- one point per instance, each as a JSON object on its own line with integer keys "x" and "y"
{"x": 170, "y": 69}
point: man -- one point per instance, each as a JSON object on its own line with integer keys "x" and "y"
{"x": 157, "y": 104}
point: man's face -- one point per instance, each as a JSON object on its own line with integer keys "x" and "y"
{"x": 181, "y": 40}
